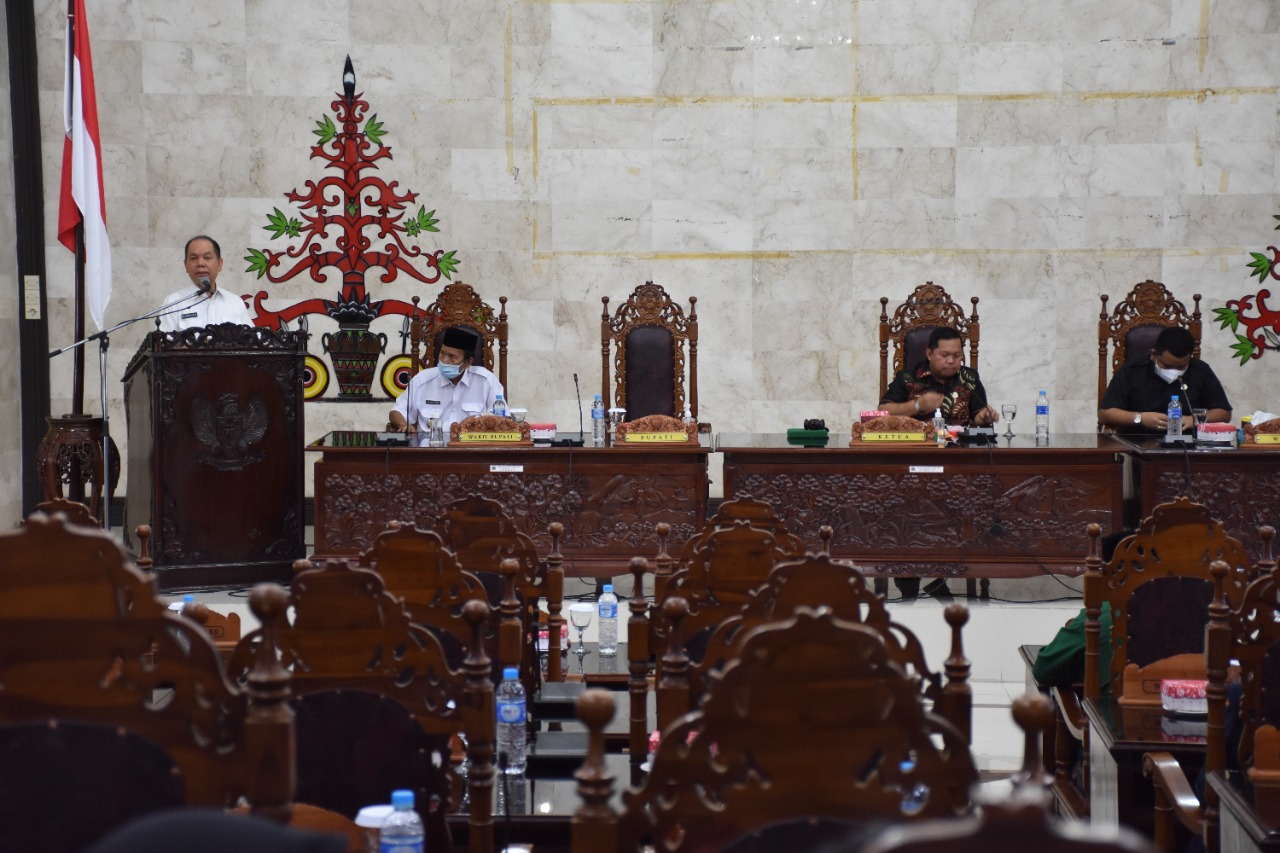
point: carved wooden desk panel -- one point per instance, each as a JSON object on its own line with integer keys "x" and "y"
{"x": 1241, "y": 486}
{"x": 1014, "y": 510}
{"x": 608, "y": 499}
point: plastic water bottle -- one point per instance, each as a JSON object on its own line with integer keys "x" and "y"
{"x": 402, "y": 830}
{"x": 607, "y": 609}
{"x": 176, "y": 606}
{"x": 511, "y": 719}
{"x": 1042, "y": 416}
{"x": 1174, "y": 428}
{"x": 500, "y": 406}
{"x": 939, "y": 427}
{"x": 917, "y": 796}
{"x": 597, "y": 422}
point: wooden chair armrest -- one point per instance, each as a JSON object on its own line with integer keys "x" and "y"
{"x": 1171, "y": 784}
{"x": 1072, "y": 714}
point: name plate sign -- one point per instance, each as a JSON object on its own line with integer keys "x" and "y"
{"x": 488, "y": 436}
{"x": 893, "y": 436}
{"x": 655, "y": 437}
{"x": 1266, "y": 438}
{"x": 506, "y": 469}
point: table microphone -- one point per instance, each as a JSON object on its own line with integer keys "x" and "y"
{"x": 204, "y": 284}
{"x": 581, "y": 432}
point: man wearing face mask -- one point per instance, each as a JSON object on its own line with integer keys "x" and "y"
{"x": 452, "y": 390}
{"x": 1137, "y": 400}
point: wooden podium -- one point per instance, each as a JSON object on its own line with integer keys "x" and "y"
{"x": 215, "y": 453}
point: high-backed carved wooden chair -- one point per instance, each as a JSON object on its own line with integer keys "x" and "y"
{"x": 1023, "y": 821}
{"x": 1130, "y": 329}
{"x": 1250, "y": 635}
{"x": 1156, "y": 579}
{"x": 812, "y": 720}
{"x": 649, "y": 334}
{"x": 928, "y": 307}
{"x": 378, "y": 703}
{"x": 83, "y": 638}
{"x": 459, "y": 305}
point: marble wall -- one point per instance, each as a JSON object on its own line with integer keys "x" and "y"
{"x": 10, "y": 424}
{"x": 788, "y": 162}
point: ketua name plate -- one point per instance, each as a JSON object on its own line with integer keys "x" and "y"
{"x": 1267, "y": 438}
{"x": 893, "y": 436}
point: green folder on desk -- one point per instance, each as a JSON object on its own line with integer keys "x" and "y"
{"x": 807, "y": 437}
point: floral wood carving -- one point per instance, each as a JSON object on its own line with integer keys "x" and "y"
{"x": 458, "y": 305}
{"x": 1149, "y": 303}
{"x": 928, "y": 305}
{"x": 893, "y": 423}
{"x": 489, "y": 423}
{"x": 656, "y": 424}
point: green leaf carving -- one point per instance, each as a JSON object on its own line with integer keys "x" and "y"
{"x": 1227, "y": 317}
{"x": 281, "y": 225}
{"x": 326, "y": 129}
{"x": 1261, "y": 266}
{"x": 1243, "y": 348}
{"x": 258, "y": 262}
{"x": 427, "y": 220}
{"x": 352, "y": 208}
{"x": 447, "y": 264}
{"x": 1277, "y": 218}
{"x": 373, "y": 130}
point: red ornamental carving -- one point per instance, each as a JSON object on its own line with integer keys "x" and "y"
{"x": 353, "y": 221}
{"x": 1261, "y": 323}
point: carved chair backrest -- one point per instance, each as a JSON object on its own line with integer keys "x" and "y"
{"x": 358, "y": 657}
{"x": 810, "y": 691}
{"x": 755, "y": 513}
{"x": 1024, "y": 820}
{"x": 459, "y": 305}
{"x": 1130, "y": 329}
{"x": 649, "y": 335}
{"x": 1158, "y": 577}
{"x": 819, "y": 580}
{"x": 83, "y": 637}
{"x": 928, "y": 307}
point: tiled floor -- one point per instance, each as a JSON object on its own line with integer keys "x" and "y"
{"x": 1021, "y": 611}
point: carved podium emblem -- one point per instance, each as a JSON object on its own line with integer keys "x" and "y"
{"x": 230, "y": 431}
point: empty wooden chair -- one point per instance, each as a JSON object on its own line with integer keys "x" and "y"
{"x": 84, "y": 639}
{"x": 1023, "y": 821}
{"x": 650, "y": 335}
{"x": 813, "y": 720}
{"x": 377, "y": 702}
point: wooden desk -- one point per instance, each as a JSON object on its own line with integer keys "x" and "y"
{"x": 1240, "y": 486}
{"x": 1013, "y": 510}
{"x": 1241, "y": 828}
{"x": 608, "y": 499}
{"x": 1118, "y": 738}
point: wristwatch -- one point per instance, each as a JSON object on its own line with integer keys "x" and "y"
{"x": 1137, "y": 418}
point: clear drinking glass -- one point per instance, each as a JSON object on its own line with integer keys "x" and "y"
{"x": 1201, "y": 415}
{"x": 1010, "y": 411}
{"x": 580, "y": 617}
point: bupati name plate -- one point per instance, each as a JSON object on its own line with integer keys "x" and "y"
{"x": 655, "y": 437}
{"x": 1266, "y": 438}
{"x": 893, "y": 436}
{"x": 489, "y": 436}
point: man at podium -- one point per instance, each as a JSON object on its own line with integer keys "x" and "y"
{"x": 452, "y": 390}
{"x": 203, "y": 303}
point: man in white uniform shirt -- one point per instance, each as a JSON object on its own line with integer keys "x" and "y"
{"x": 203, "y": 303}
{"x": 452, "y": 390}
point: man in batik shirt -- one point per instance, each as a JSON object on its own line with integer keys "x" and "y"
{"x": 940, "y": 382}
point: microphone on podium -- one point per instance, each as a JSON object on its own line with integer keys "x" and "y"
{"x": 205, "y": 285}
{"x": 579, "y": 393}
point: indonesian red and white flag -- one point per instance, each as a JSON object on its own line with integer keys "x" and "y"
{"x": 82, "y": 195}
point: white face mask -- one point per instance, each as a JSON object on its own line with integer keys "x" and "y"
{"x": 1169, "y": 374}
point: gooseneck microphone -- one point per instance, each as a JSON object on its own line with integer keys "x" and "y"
{"x": 204, "y": 284}
{"x": 581, "y": 431}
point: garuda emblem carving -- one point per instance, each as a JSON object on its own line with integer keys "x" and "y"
{"x": 230, "y": 431}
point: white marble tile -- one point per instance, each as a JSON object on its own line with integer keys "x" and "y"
{"x": 727, "y": 24}
{"x": 1222, "y": 66}
{"x": 1114, "y": 222}
{"x": 1010, "y": 171}
{"x": 1123, "y": 170}
{"x": 810, "y": 173}
{"x": 579, "y": 174}
{"x": 1115, "y": 66}
{"x": 910, "y": 69}
{"x": 1007, "y": 223}
{"x": 906, "y": 173}
{"x": 700, "y": 126}
{"x": 1223, "y": 118}
{"x": 909, "y": 223}
{"x": 694, "y": 226}
{"x": 583, "y": 72}
{"x": 594, "y": 25}
{"x": 897, "y": 22}
{"x": 424, "y": 23}
{"x": 1008, "y": 122}
{"x": 803, "y": 125}
{"x": 907, "y": 125}
{"x": 1011, "y": 67}
{"x": 790, "y": 225}
{"x": 704, "y": 175}
{"x": 193, "y": 68}
{"x": 692, "y": 71}
{"x": 484, "y": 174}
{"x": 174, "y": 119}
{"x": 177, "y": 21}
{"x": 1104, "y": 121}
{"x": 601, "y": 225}
{"x": 1224, "y": 168}
{"x": 326, "y": 23}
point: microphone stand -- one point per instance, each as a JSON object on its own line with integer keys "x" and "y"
{"x": 103, "y": 338}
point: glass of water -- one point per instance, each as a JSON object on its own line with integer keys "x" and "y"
{"x": 1010, "y": 411}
